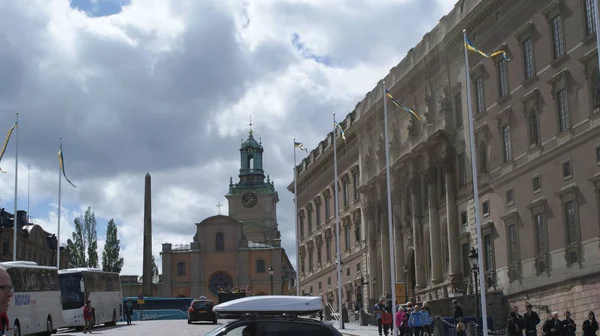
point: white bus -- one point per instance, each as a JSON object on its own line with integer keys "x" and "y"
{"x": 78, "y": 285}
{"x": 36, "y": 305}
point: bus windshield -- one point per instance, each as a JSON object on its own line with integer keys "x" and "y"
{"x": 70, "y": 288}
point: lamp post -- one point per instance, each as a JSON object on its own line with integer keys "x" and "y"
{"x": 271, "y": 275}
{"x": 293, "y": 278}
{"x": 405, "y": 268}
{"x": 475, "y": 270}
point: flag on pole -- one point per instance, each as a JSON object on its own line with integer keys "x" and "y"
{"x": 471, "y": 47}
{"x": 6, "y": 143}
{"x": 300, "y": 146}
{"x": 402, "y": 107}
{"x": 62, "y": 166}
{"x": 336, "y": 125}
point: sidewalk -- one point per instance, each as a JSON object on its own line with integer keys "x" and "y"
{"x": 353, "y": 329}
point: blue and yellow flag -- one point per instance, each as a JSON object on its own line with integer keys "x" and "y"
{"x": 6, "y": 143}
{"x": 402, "y": 107}
{"x": 336, "y": 125}
{"x": 300, "y": 146}
{"x": 471, "y": 47}
{"x": 62, "y": 165}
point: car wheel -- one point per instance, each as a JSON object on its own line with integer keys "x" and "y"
{"x": 189, "y": 321}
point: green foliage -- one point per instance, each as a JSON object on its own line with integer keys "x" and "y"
{"x": 83, "y": 248}
{"x": 110, "y": 256}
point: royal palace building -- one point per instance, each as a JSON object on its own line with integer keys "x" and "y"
{"x": 537, "y": 137}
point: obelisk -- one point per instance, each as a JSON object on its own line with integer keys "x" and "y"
{"x": 147, "y": 271}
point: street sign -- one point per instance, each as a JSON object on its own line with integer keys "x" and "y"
{"x": 140, "y": 299}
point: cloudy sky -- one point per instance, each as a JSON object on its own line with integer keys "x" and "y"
{"x": 168, "y": 86}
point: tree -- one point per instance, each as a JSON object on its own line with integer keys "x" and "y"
{"x": 77, "y": 246}
{"x": 110, "y": 256}
{"x": 92, "y": 237}
{"x": 155, "y": 274}
{"x": 83, "y": 247}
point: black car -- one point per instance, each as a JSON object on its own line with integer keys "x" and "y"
{"x": 272, "y": 326}
{"x": 201, "y": 310}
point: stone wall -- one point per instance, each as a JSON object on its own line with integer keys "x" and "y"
{"x": 498, "y": 307}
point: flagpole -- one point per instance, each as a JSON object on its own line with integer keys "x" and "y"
{"x": 28, "y": 189}
{"x": 389, "y": 210}
{"x": 482, "y": 289}
{"x": 296, "y": 215}
{"x": 15, "y": 226}
{"x": 337, "y": 224}
{"x": 59, "y": 210}
{"x": 597, "y": 18}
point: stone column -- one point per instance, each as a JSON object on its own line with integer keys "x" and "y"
{"x": 386, "y": 286}
{"x": 452, "y": 217}
{"x": 415, "y": 182}
{"x": 372, "y": 249}
{"x": 434, "y": 225}
{"x": 399, "y": 249}
{"x": 196, "y": 272}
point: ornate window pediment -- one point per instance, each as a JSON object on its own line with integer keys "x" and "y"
{"x": 478, "y": 70}
{"x": 301, "y": 213}
{"x": 531, "y": 99}
{"x": 554, "y": 8}
{"x": 319, "y": 241}
{"x": 326, "y": 193}
{"x": 568, "y": 189}
{"x": 483, "y": 133}
{"x": 310, "y": 245}
{"x": 538, "y": 203}
{"x": 525, "y": 31}
{"x": 560, "y": 80}
{"x": 327, "y": 233}
{"x": 317, "y": 200}
{"x": 510, "y": 217}
{"x": 505, "y": 116}
{"x": 309, "y": 207}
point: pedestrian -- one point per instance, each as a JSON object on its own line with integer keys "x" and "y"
{"x": 379, "y": 310}
{"x": 553, "y": 326}
{"x": 461, "y": 329}
{"x": 531, "y": 320}
{"x": 6, "y": 292}
{"x": 590, "y": 326}
{"x": 88, "y": 317}
{"x": 514, "y": 326}
{"x": 128, "y": 311}
{"x": 568, "y": 325}
{"x": 417, "y": 320}
{"x": 428, "y": 328}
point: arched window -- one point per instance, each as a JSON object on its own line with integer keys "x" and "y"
{"x": 260, "y": 266}
{"x": 181, "y": 268}
{"x": 220, "y": 242}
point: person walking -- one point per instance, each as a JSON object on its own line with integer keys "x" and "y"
{"x": 417, "y": 320}
{"x": 128, "y": 311}
{"x": 531, "y": 320}
{"x": 88, "y": 317}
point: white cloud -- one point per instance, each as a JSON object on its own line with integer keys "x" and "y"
{"x": 167, "y": 87}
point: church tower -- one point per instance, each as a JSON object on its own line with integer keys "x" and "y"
{"x": 253, "y": 200}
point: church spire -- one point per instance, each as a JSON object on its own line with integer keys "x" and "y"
{"x": 250, "y": 132}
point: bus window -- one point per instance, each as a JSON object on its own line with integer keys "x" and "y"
{"x": 72, "y": 296}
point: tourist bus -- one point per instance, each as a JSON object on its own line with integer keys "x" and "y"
{"x": 35, "y": 306}
{"x": 78, "y": 285}
{"x": 158, "y": 308}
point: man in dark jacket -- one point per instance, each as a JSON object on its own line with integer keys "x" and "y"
{"x": 553, "y": 326}
{"x": 531, "y": 320}
{"x": 458, "y": 312}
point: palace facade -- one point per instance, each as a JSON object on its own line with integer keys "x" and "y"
{"x": 536, "y": 125}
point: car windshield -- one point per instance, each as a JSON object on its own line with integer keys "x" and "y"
{"x": 202, "y": 305}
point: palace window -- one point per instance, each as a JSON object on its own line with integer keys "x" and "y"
{"x": 347, "y": 237}
{"x": 558, "y": 41}
{"x": 480, "y": 94}
{"x": 355, "y": 183}
{"x": 345, "y": 191}
{"x": 513, "y": 244}
{"x": 506, "y": 144}
{"x": 533, "y": 125}
{"x": 528, "y": 63}
{"x": 571, "y": 222}
{"x": 483, "y": 167}
{"x": 220, "y": 242}
{"x": 310, "y": 260}
{"x": 328, "y": 248}
{"x": 458, "y": 110}
{"x": 488, "y": 257}
{"x": 502, "y": 78}
{"x": 260, "y": 266}
{"x": 562, "y": 101}
{"x": 590, "y": 13}
{"x": 309, "y": 218}
{"x": 319, "y": 255}
{"x": 181, "y": 268}
{"x": 318, "y": 212}
{"x": 541, "y": 234}
{"x": 462, "y": 170}
{"x": 301, "y": 225}
{"x": 327, "y": 201}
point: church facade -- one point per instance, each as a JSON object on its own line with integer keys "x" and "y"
{"x": 236, "y": 251}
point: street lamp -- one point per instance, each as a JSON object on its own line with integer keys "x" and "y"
{"x": 475, "y": 270}
{"x": 271, "y": 275}
{"x": 292, "y": 280}
{"x": 405, "y": 268}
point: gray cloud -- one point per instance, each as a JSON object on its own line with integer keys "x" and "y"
{"x": 167, "y": 87}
